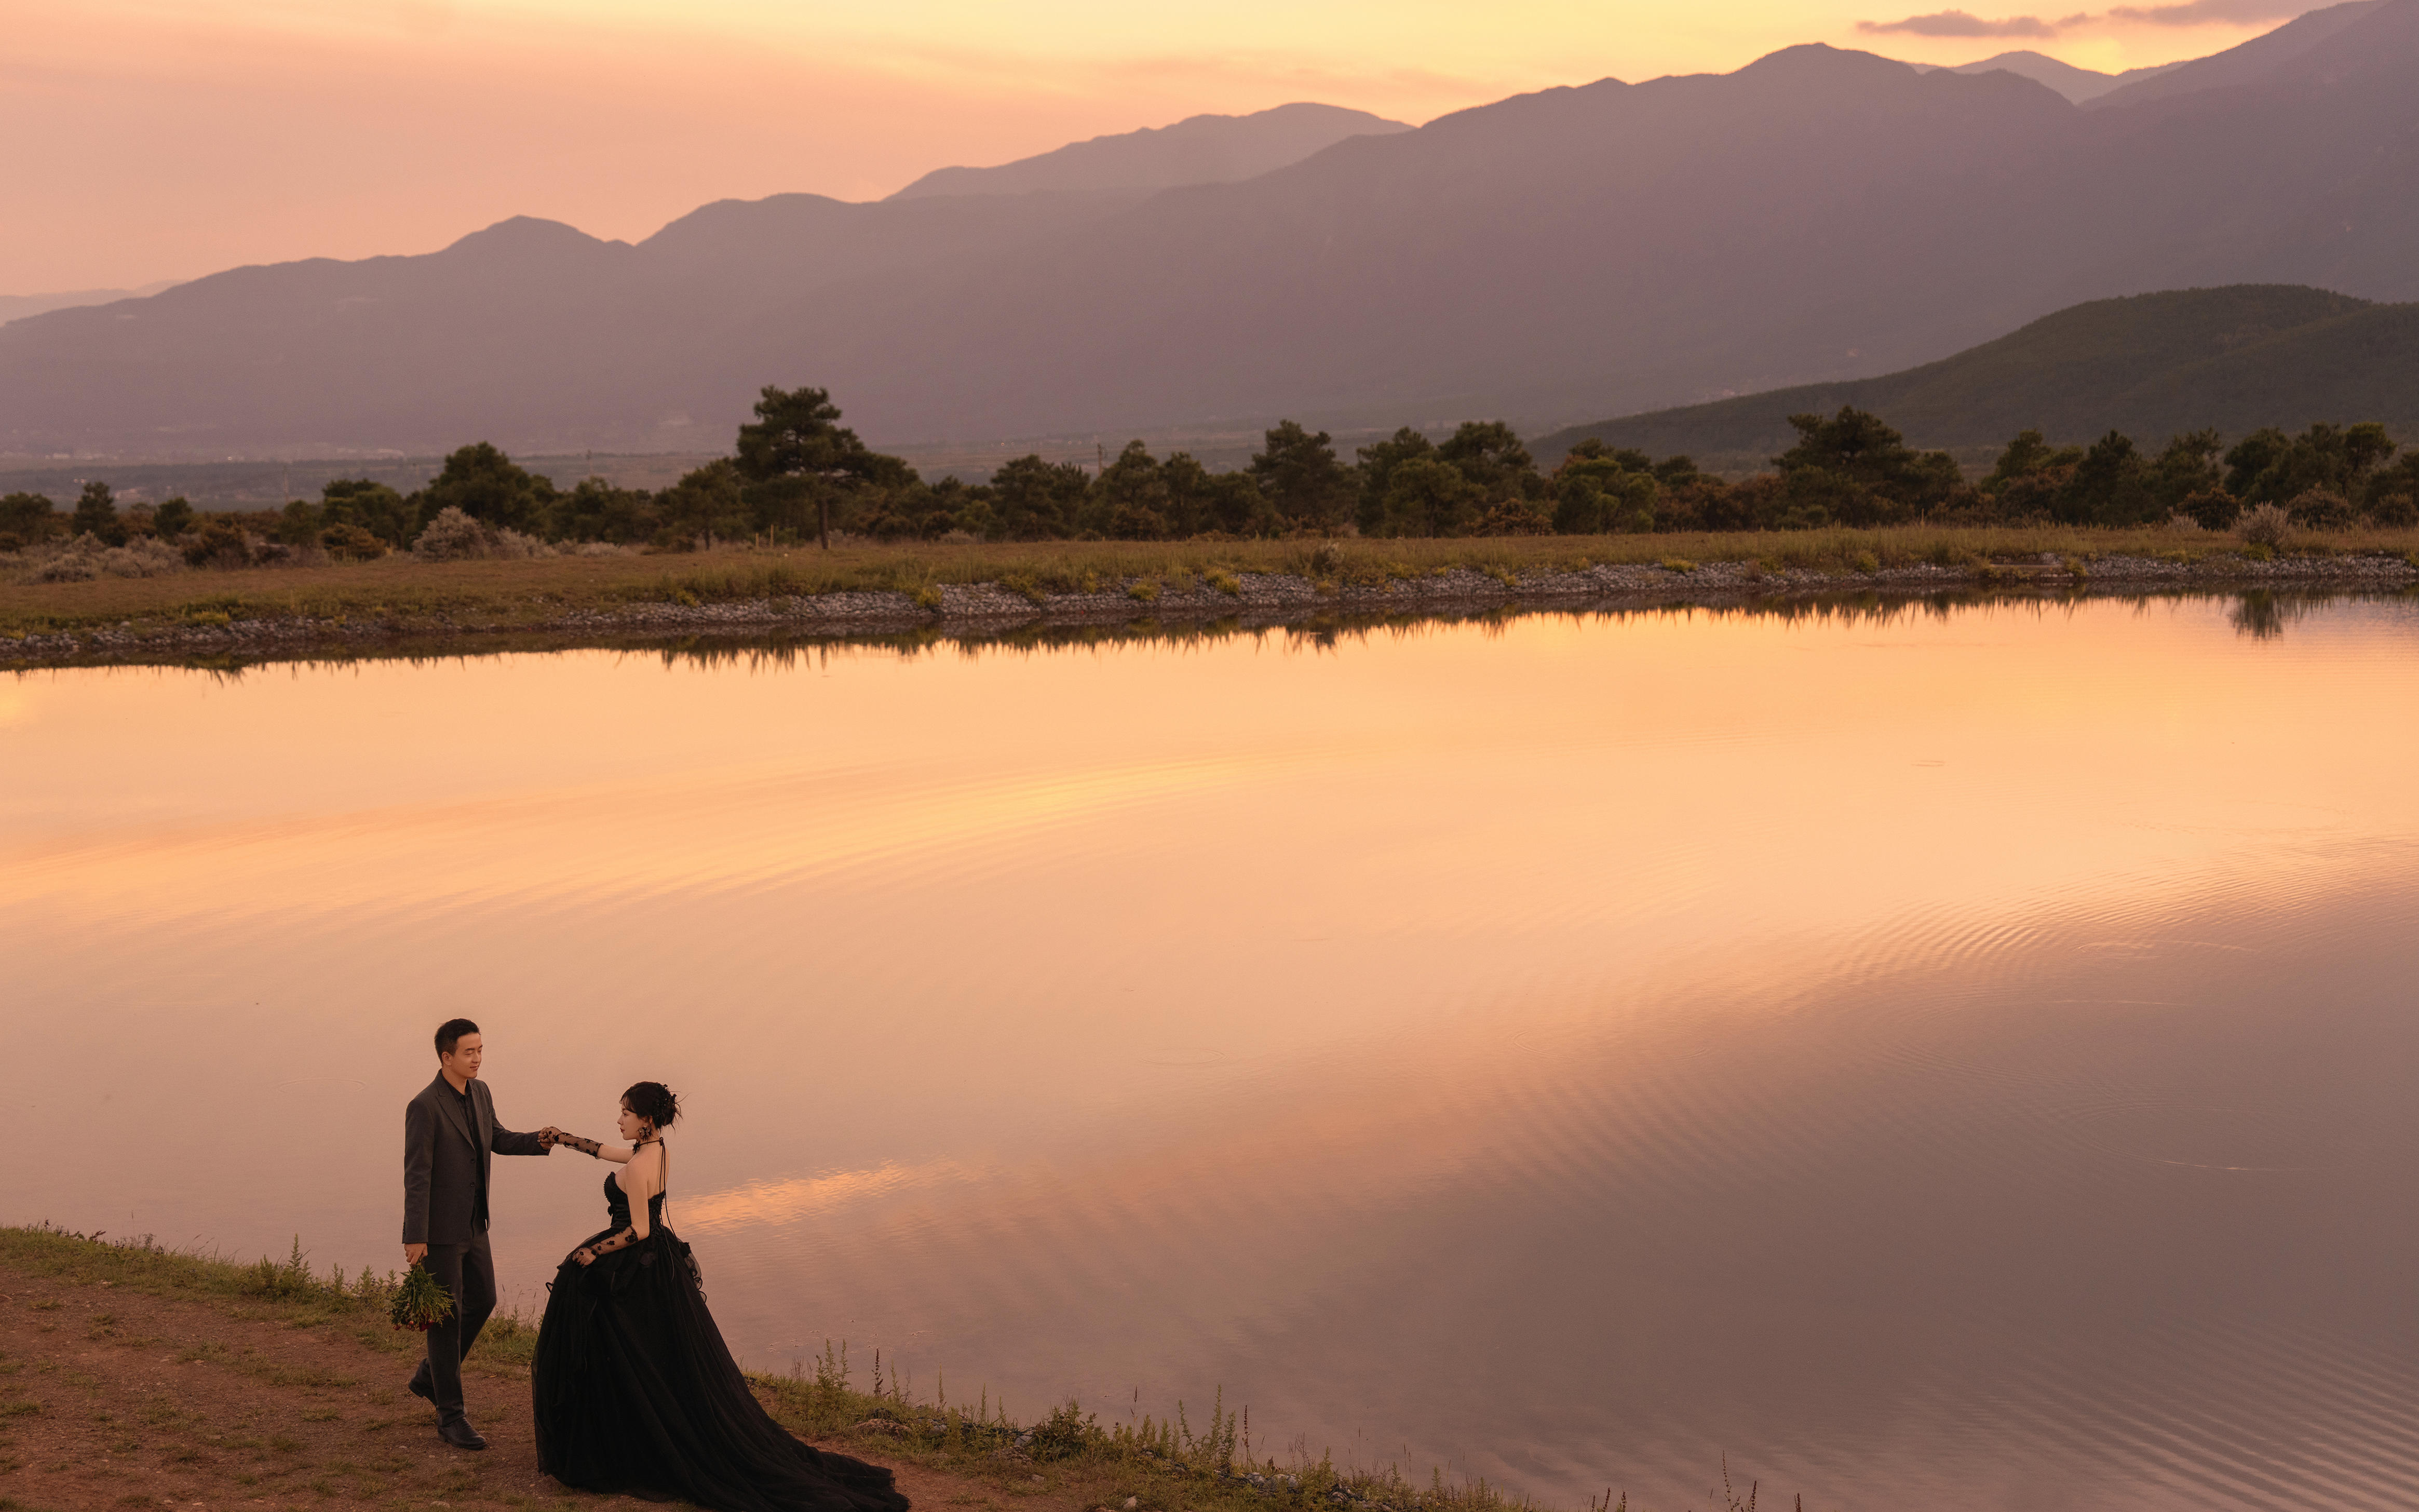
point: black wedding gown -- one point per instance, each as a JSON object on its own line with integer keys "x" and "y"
{"x": 636, "y": 1392}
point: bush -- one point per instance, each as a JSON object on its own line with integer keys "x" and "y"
{"x": 221, "y": 543}
{"x": 88, "y": 556}
{"x": 79, "y": 563}
{"x": 512, "y": 543}
{"x": 2320, "y": 509}
{"x": 453, "y": 536}
{"x": 171, "y": 519}
{"x": 1515, "y": 517}
{"x": 2395, "y": 511}
{"x": 143, "y": 557}
{"x": 2264, "y": 525}
{"x": 2214, "y": 508}
{"x": 350, "y": 543}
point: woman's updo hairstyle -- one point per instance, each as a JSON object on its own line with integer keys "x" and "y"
{"x": 654, "y": 1102}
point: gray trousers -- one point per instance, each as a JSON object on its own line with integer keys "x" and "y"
{"x": 467, "y": 1274}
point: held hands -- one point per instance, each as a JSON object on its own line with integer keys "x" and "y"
{"x": 551, "y": 1137}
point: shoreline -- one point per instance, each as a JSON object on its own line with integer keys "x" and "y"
{"x": 134, "y": 1375}
{"x": 1244, "y": 600}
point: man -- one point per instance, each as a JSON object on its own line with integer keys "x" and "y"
{"x": 449, "y": 1131}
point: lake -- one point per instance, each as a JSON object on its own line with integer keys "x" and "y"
{"x": 1932, "y": 1057}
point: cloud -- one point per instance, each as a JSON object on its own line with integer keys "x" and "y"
{"x": 2207, "y": 13}
{"x": 1961, "y": 24}
{"x": 2184, "y": 13}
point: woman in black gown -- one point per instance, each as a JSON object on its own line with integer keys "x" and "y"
{"x": 635, "y": 1390}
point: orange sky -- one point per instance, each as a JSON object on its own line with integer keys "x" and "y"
{"x": 167, "y": 139}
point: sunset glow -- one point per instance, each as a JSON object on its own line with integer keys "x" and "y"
{"x": 169, "y": 140}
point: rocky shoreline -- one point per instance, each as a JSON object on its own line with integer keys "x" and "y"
{"x": 1246, "y": 600}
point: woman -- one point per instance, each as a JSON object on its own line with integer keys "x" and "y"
{"x": 634, "y": 1389}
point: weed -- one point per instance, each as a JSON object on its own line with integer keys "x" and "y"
{"x": 927, "y": 598}
{"x": 1224, "y": 581}
{"x": 1143, "y": 590}
{"x": 1677, "y": 564}
{"x": 1865, "y": 562}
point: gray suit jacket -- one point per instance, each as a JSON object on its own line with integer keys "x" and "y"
{"x": 443, "y": 1164}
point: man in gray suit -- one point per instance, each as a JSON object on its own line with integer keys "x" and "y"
{"x": 449, "y": 1131}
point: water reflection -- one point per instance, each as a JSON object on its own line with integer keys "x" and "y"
{"x": 1931, "y": 1054}
{"x": 2261, "y": 613}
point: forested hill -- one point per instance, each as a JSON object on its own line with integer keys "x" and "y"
{"x": 2152, "y": 365}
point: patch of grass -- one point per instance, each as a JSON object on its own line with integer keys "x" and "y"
{"x": 1677, "y": 564}
{"x": 1143, "y": 590}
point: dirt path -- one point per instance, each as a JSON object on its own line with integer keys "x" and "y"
{"x": 112, "y": 1399}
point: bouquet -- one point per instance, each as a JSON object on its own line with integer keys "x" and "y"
{"x": 420, "y": 1303}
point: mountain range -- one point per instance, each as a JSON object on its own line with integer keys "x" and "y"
{"x": 1555, "y": 258}
{"x": 1199, "y": 149}
{"x": 2076, "y": 85}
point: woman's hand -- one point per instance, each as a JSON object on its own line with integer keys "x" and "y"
{"x": 584, "y": 1256}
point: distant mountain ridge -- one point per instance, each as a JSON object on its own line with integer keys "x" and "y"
{"x": 1815, "y": 218}
{"x": 20, "y": 306}
{"x": 1199, "y": 149}
{"x": 2248, "y": 64}
{"x": 2076, "y": 85}
{"x": 2152, "y": 365}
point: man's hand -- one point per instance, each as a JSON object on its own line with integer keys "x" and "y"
{"x": 551, "y": 1136}
{"x": 413, "y": 1255}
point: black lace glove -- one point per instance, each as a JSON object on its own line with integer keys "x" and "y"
{"x": 569, "y": 1141}
{"x": 588, "y": 1254}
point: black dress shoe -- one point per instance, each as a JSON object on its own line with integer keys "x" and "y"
{"x": 460, "y": 1434}
{"x": 419, "y": 1386}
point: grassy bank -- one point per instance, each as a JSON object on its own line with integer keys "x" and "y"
{"x": 402, "y": 592}
{"x": 130, "y": 1370}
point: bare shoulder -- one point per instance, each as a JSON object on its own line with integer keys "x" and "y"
{"x": 647, "y": 1165}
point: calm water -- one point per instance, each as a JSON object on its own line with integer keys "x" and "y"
{"x": 1952, "y": 1060}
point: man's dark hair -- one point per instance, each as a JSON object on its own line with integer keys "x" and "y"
{"x": 449, "y": 1034}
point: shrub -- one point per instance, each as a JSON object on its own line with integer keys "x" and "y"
{"x": 2395, "y": 511}
{"x": 452, "y": 537}
{"x": 2320, "y": 509}
{"x": 221, "y": 543}
{"x": 79, "y": 563}
{"x": 512, "y": 543}
{"x": 2264, "y": 525}
{"x": 2215, "y": 509}
{"x": 143, "y": 557}
{"x": 350, "y": 543}
{"x": 2183, "y": 524}
{"x": 1516, "y": 516}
